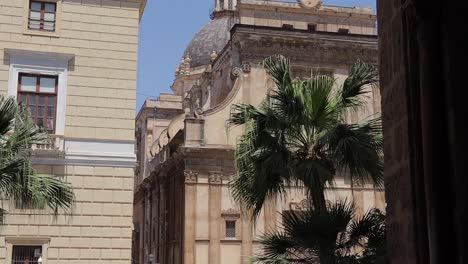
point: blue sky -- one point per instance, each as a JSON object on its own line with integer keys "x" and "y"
{"x": 166, "y": 29}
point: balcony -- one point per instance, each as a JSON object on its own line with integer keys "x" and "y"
{"x": 54, "y": 148}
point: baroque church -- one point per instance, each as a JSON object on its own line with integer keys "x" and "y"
{"x": 183, "y": 210}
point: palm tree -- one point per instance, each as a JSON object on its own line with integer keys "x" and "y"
{"x": 298, "y": 136}
{"x": 331, "y": 236}
{"x": 19, "y": 183}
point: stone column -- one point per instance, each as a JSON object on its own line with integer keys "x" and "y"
{"x": 215, "y": 182}
{"x": 270, "y": 215}
{"x": 358, "y": 198}
{"x": 163, "y": 222}
{"x": 190, "y": 216}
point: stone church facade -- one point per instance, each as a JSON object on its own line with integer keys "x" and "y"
{"x": 183, "y": 209}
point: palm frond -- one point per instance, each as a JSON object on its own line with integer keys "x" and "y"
{"x": 361, "y": 229}
{"x": 19, "y": 183}
{"x": 242, "y": 113}
{"x": 8, "y": 110}
{"x": 317, "y": 98}
{"x": 361, "y": 74}
{"x": 313, "y": 235}
{"x": 357, "y": 149}
{"x": 262, "y": 169}
{"x": 51, "y": 192}
{"x": 278, "y": 68}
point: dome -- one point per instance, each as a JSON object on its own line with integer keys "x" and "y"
{"x": 212, "y": 37}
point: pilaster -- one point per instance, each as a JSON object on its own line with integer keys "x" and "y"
{"x": 215, "y": 181}
{"x": 191, "y": 178}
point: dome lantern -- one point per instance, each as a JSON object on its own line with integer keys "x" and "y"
{"x": 225, "y": 5}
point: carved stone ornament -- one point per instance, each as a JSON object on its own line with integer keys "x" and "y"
{"x": 310, "y": 3}
{"x": 246, "y": 67}
{"x": 213, "y": 55}
{"x": 216, "y": 177}
{"x": 236, "y": 72}
{"x": 300, "y": 206}
{"x": 190, "y": 176}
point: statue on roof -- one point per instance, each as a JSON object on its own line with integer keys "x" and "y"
{"x": 310, "y": 3}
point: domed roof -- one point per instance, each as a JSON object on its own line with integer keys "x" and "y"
{"x": 212, "y": 37}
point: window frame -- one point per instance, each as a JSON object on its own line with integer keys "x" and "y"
{"x": 47, "y": 63}
{"x": 25, "y": 246}
{"x": 37, "y": 93}
{"x": 226, "y": 228}
{"x": 42, "y": 18}
{"x": 10, "y": 242}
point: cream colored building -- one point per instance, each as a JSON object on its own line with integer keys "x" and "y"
{"x": 73, "y": 63}
{"x": 183, "y": 209}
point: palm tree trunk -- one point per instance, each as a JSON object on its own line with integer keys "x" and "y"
{"x": 318, "y": 200}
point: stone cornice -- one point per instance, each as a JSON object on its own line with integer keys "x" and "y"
{"x": 231, "y": 212}
{"x": 142, "y": 7}
{"x": 259, "y": 31}
{"x": 255, "y": 5}
{"x": 303, "y": 47}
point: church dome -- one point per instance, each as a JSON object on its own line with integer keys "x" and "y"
{"x": 212, "y": 37}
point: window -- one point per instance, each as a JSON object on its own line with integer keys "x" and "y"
{"x": 230, "y": 229}
{"x": 343, "y": 30}
{"x": 288, "y": 26}
{"x": 38, "y": 93}
{"x": 42, "y": 16}
{"x": 312, "y": 27}
{"x": 26, "y": 254}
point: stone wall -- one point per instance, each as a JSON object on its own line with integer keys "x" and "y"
{"x": 99, "y": 228}
{"x": 424, "y": 117}
{"x": 100, "y": 40}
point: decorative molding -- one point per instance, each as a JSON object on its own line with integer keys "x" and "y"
{"x": 227, "y": 100}
{"x": 303, "y": 47}
{"x": 236, "y": 72}
{"x": 215, "y": 177}
{"x": 300, "y": 206}
{"x": 80, "y": 162}
{"x": 190, "y": 176}
{"x": 93, "y": 152}
{"x": 246, "y": 67}
{"x": 309, "y": 4}
{"x": 230, "y": 213}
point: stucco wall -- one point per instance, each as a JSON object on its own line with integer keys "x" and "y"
{"x": 103, "y": 36}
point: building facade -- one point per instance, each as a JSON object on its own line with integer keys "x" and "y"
{"x": 183, "y": 209}
{"x": 73, "y": 63}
